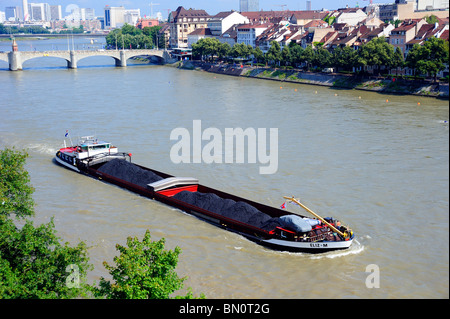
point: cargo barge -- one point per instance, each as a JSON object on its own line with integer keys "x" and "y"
{"x": 272, "y": 227}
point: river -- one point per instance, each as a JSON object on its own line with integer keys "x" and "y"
{"x": 379, "y": 163}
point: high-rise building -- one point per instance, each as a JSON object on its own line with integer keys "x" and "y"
{"x": 308, "y": 5}
{"x": 131, "y": 16}
{"x": 26, "y": 15}
{"x": 114, "y": 17}
{"x": 55, "y": 13}
{"x": 39, "y": 11}
{"x": 14, "y": 13}
{"x": 248, "y": 5}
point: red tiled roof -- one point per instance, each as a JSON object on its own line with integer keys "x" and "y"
{"x": 201, "y": 31}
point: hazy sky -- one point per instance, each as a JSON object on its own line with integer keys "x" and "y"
{"x": 211, "y": 6}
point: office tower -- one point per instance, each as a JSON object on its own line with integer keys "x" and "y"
{"x": 14, "y": 13}
{"x": 55, "y": 13}
{"x": 26, "y": 15}
{"x": 308, "y": 5}
{"x": 248, "y": 5}
{"x": 114, "y": 17}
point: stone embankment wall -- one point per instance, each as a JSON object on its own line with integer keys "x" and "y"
{"x": 376, "y": 84}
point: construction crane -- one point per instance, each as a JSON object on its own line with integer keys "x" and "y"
{"x": 151, "y": 8}
{"x": 281, "y": 5}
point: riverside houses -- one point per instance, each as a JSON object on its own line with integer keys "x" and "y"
{"x": 182, "y": 22}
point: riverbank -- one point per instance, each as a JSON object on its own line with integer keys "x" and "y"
{"x": 335, "y": 80}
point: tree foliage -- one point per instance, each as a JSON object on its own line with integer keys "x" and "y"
{"x": 131, "y": 37}
{"x": 377, "y": 53}
{"x": 273, "y": 55}
{"x": 35, "y": 264}
{"x": 144, "y": 270}
{"x": 429, "y": 58}
{"x": 15, "y": 188}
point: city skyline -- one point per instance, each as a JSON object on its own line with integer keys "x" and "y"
{"x": 212, "y": 7}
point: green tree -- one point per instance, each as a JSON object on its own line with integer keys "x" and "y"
{"x": 15, "y": 188}
{"x": 154, "y": 35}
{"x": 223, "y": 50}
{"x": 296, "y": 53}
{"x": 344, "y": 58}
{"x": 144, "y": 270}
{"x": 432, "y": 19}
{"x": 377, "y": 52}
{"x": 131, "y": 30}
{"x": 286, "y": 57}
{"x": 258, "y": 54}
{"x": 33, "y": 262}
{"x": 273, "y": 55}
{"x": 398, "y": 60}
{"x": 430, "y": 58}
{"x": 321, "y": 57}
{"x": 308, "y": 56}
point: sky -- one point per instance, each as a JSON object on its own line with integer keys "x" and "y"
{"x": 211, "y": 6}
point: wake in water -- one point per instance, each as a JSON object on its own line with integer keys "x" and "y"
{"x": 19, "y": 144}
{"x": 354, "y": 249}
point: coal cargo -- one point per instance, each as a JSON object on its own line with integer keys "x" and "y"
{"x": 239, "y": 211}
{"x": 129, "y": 172}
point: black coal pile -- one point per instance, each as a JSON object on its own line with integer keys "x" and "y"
{"x": 129, "y": 172}
{"x": 240, "y": 211}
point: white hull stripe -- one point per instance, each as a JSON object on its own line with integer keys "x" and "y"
{"x": 60, "y": 161}
{"x": 309, "y": 245}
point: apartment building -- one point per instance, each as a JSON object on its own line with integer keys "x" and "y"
{"x": 182, "y": 22}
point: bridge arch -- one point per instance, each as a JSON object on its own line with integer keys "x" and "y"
{"x": 43, "y": 57}
{"x": 17, "y": 58}
{"x": 116, "y": 60}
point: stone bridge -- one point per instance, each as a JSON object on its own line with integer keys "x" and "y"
{"x": 17, "y": 58}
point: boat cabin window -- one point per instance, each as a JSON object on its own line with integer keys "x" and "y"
{"x": 98, "y": 147}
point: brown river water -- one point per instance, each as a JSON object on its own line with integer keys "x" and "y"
{"x": 379, "y": 163}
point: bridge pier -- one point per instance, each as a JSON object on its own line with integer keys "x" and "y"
{"x": 72, "y": 63}
{"x": 122, "y": 62}
{"x": 15, "y": 60}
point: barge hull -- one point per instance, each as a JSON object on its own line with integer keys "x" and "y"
{"x": 255, "y": 234}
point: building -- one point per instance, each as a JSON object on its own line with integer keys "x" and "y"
{"x": 248, "y": 33}
{"x": 114, "y": 17}
{"x": 223, "y": 21}
{"x": 350, "y": 16}
{"x": 182, "y": 22}
{"x": 55, "y": 13}
{"x": 304, "y": 17}
{"x": 146, "y": 22}
{"x": 39, "y": 11}
{"x": 165, "y": 33}
{"x": 131, "y": 16}
{"x": 197, "y": 35}
{"x": 13, "y": 14}
{"x": 81, "y": 14}
{"x": 26, "y": 15}
{"x": 431, "y": 5}
{"x": 405, "y": 32}
{"x": 403, "y": 9}
{"x": 248, "y": 5}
